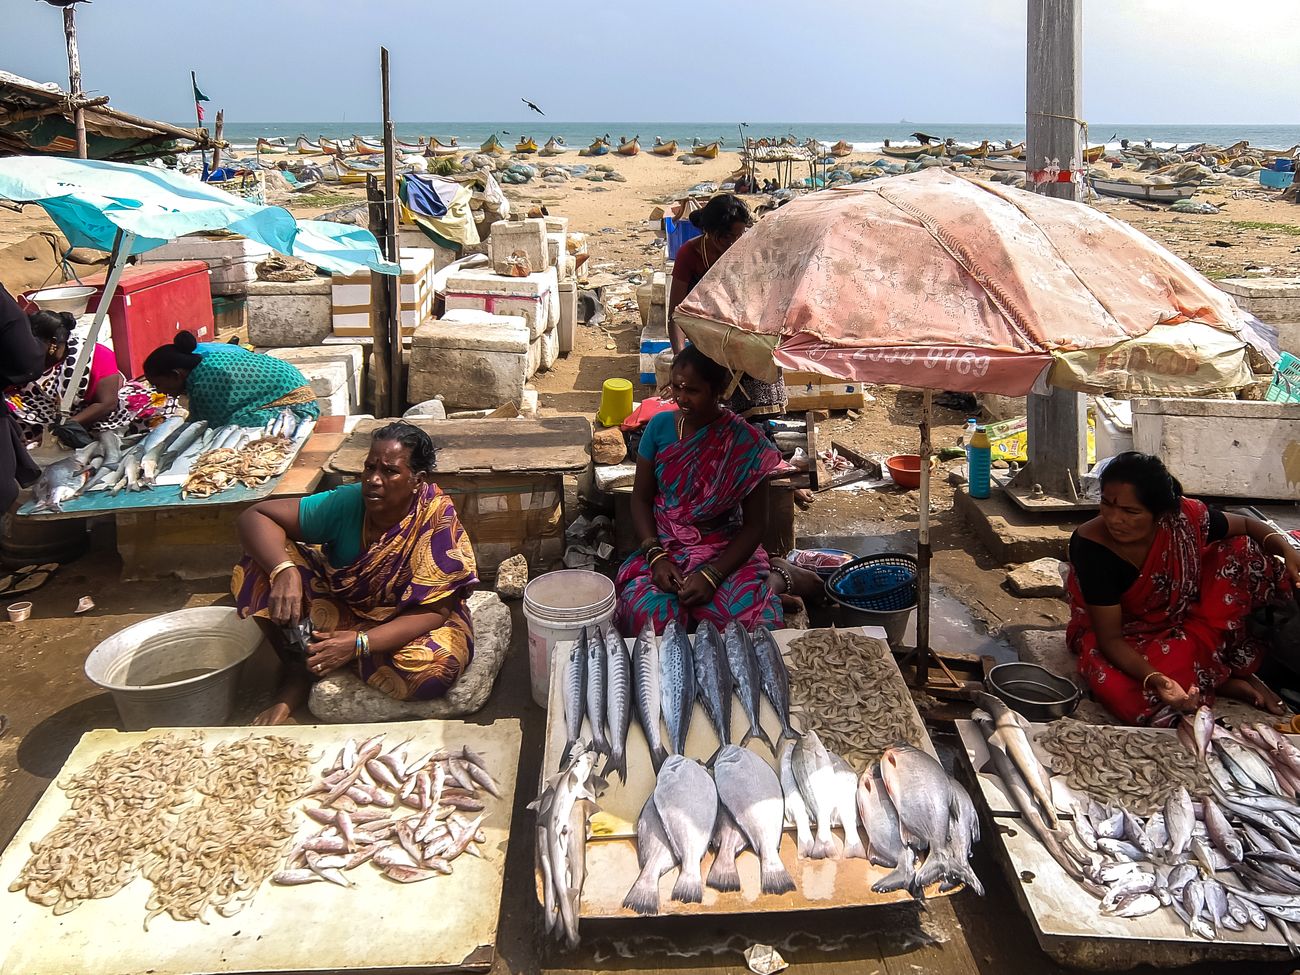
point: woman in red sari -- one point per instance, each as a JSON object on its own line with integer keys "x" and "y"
{"x": 700, "y": 505}
{"x": 1161, "y": 588}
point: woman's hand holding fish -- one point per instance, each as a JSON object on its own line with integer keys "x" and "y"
{"x": 288, "y": 603}
{"x": 331, "y": 650}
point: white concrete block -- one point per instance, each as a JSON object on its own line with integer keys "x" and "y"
{"x": 509, "y": 237}
{"x": 556, "y": 225}
{"x": 1268, "y": 299}
{"x": 287, "y": 314}
{"x": 332, "y": 373}
{"x": 534, "y": 357}
{"x": 550, "y": 350}
{"x": 556, "y": 247}
{"x": 474, "y": 360}
{"x": 567, "y": 325}
{"x": 232, "y": 261}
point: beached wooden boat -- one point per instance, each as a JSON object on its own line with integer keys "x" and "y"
{"x": 493, "y": 146}
{"x": 363, "y": 148}
{"x": 709, "y": 151}
{"x": 267, "y": 146}
{"x": 526, "y": 146}
{"x": 1004, "y": 164}
{"x": 1008, "y": 152}
{"x": 1094, "y": 154}
{"x": 306, "y": 148}
{"x": 553, "y": 147}
{"x": 598, "y": 148}
{"x": 1152, "y": 192}
{"x": 331, "y": 148}
{"x": 349, "y": 173}
{"x": 630, "y": 148}
{"x": 665, "y": 149}
{"x": 975, "y": 152}
{"x": 912, "y": 152}
{"x": 841, "y": 149}
{"x": 439, "y": 149}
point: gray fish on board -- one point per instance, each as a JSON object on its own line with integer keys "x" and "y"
{"x": 575, "y": 695}
{"x": 58, "y": 483}
{"x": 645, "y": 680}
{"x": 730, "y": 842}
{"x": 796, "y": 810}
{"x": 618, "y": 703}
{"x": 687, "y": 802}
{"x": 744, "y": 675}
{"x": 655, "y": 858}
{"x": 880, "y": 820}
{"x": 750, "y": 790}
{"x": 595, "y": 650}
{"x": 846, "y": 807}
{"x": 773, "y": 677}
{"x": 922, "y": 794}
{"x": 676, "y": 684}
{"x": 815, "y": 776}
{"x": 713, "y": 679}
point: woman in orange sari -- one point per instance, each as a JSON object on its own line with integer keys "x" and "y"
{"x": 1161, "y": 588}
{"x": 380, "y": 570}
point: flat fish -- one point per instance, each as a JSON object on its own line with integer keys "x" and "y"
{"x": 744, "y": 676}
{"x": 687, "y": 802}
{"x": 846, "y": 807}
{"x": 676, "y": 684}
{"x": 655, "y": 858}
{"x": 618, "y": 703}
{"x": 773, "y": 677}
{"x": 880, "y": 820}
{"x": 796, "y": 811}
{"x": 595, "y": 650}
{"x": 575, "y": 695}
{"x": 922, "y": 793}
{"x": 750, "y": 790}
{"x": 713, "y": 679}
{"x": 730, "y": 841}
{"x": 815, "y": 777}
{"x": 58, "y": 483}
{"x": 645, "y": 678}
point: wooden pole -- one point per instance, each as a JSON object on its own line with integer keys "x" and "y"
{"x": 923, "y": 550}
{"x": 198, "y": 116}
{"x": 1053, "y": 106}
{"x": 395, "y": 393}
{"x": 379, "y": 296}
{"x": 216, "y": 137}
{"x": 74, "y": 79}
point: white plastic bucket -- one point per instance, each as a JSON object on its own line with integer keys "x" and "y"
{"x": 557, "y": 606}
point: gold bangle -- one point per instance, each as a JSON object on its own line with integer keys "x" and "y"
{"x": 286, "y": 564}
{"x": 661, "y": 555}
{"x": 1264, "y": 541}
{"x": 1147, "y": 679}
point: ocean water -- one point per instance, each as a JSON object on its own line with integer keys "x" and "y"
{"x": 865, "y": 136}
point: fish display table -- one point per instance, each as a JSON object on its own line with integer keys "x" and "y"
{"x": 449, "y": 922}
{"x": 611, "y": 849}
{"x": 1066, "y": 919}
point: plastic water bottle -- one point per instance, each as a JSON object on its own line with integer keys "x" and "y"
{"x": 967, "y": 433}
{"x": 980, "y": 453}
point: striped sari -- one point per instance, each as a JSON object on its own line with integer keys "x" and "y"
{"x": 702, "y": 483}
{"x": 422, "y": 560}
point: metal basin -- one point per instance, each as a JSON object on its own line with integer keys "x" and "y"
{"x": 1034, "y": 691}
{"x": 72, "y": 298}
{"x": 179, "y": 669}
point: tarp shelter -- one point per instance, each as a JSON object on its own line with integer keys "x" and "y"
{"x": 36, "y": 118}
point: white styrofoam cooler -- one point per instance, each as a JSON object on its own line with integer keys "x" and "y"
{"x": 535, "y": 297}
{"x": 350, "y": 294}
{"x": 232, "y": 261}
{"x": 653, "y": 341}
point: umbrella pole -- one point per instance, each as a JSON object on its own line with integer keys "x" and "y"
{"x": 122, "y": 243}
{"x": 923, "y": 552}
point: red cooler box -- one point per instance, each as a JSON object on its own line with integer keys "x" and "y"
{"x": 152, "y": 303}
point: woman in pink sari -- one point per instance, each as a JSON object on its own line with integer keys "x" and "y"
{"x": 700, "y": 506}
{"x": 1161, "y": 588}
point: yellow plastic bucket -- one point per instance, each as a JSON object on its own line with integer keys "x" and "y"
{"x": 615, "y": 402}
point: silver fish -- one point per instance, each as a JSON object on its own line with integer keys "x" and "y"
{"x": 1221, "y": 833}
{"x": 1014, "y": 731}
{"x": 1135, "y": 832}
{"x": 773, "y": 677}
{"x": 796, "y": 811}
{"x": 595, "y": 650}
{"x": 1120, "y": 849}
{"x": 815, "y": 776}
{"x": 618, "y": 703}
{"x": 713, "y": 679}
{"x": 687, "y": 802}
{"x": 555, "y": 819}
{"x": 963, "y": 834}
{"x": 575, "y": 695}
{"x": 1136, "y": 905}
{"x": 750, "y": 790}
{"x": 744, "y": 675}
{"x": 676, "y": 684}
{"x": 187, "y": 438}
{"x": 846, "y": 807}
{"x": 1249, "y": 761}
{"x": 655, "y": 858}
{"x": 645, "y": 678}
{"x": 879, "y": 819}
{"x": 58, "y": 483}
{"x": 1179, "y": 819}
{"x": 112, "y": 444}
{"x": 922, "y": 793}
{"x": 131, "y": 467}
{"x": 730, "y": 841}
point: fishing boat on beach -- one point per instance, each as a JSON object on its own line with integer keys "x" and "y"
{"x": 841, "y": 149}
{"x": 438, "y": 149}
{"x": 354, "y": 172}
{"x": 975, "y": 152}
{"x": 526, "y": 146}
{"x": 709, "y": 151}
{"x": 912, "y": 152}
{"x": 665, "y": 149}
{"x": 493, "y": 146}
{"x": 363, "y": 147}
{"x": 1151, "y": 192}
{"x": 1008, "y": 152}
{"x": 306, "y": 148}
{"x": 630, "y": 148}
{"x": 271, "y": 146}
{"x": 332, "y": 148}
{"x": 553, "y": 147}
{"x": 1003, "y": 164}
{"x": 1094, "y": 154}
{"x": 598, "y": 148}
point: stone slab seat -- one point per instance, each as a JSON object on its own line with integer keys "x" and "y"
{"x": 343, "y": 698}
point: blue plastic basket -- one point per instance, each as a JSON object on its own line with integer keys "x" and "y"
{"x": 882, "y": 583}
{"x": 678, "y": 232}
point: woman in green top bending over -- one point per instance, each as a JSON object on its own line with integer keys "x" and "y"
{"x": 380, "y": 568}
{"x": 228, "y": 384}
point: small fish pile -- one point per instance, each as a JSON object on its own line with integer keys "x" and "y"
{"x": 403, "y": 814}
{"x": 1118, "y": 765}
{"x": 848, "y": 689}
{"x": 564, "y": 809}
{"x": 251, "y": 464}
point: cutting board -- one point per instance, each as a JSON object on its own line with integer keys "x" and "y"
{"x": 378, "y": 925}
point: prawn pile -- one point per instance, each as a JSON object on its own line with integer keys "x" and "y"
{"x": 252, "y": 464}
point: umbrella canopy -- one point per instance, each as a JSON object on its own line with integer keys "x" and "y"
{"x": 92, "y": 200}
{"x": 937, "y": 281}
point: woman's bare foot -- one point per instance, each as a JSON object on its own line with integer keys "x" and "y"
{"x": 1254, "y": 692}
{"x": 277, "y": 713}
{"x": 292, "y": 695}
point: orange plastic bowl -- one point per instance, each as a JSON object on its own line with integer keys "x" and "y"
{"x": 905, "y": 469}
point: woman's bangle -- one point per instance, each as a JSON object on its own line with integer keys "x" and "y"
{"x": 362, "y": 650}
{"x": 713, "y": 576}
{"x": 649, "y": 544}
{"x": 655, "y": 558}
{"x": 1264, "y": 541}
{"x": 1147, "y": 679}
{"x": 286, "y": 564}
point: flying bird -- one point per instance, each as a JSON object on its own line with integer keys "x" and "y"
{"x": 63, "y": 3}
{"x": 532, "y": 106}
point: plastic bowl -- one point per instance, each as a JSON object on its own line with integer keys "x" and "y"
{"x": 19, "y": 611}
{"x": 74, "y": 299}
{"x": 905, "y": 469}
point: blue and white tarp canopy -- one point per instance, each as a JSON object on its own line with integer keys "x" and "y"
{"x": 92, "y": 200}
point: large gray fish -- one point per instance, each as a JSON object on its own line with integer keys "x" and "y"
{"x": 687, "y": 802}
{"x": 1014, "y": 732}
{"x": 188, "y": 437}
{"x": 744, "y": 675}
{"x": 730, "y": 841}
{"x": 655, "y": 858}
{"x": 595, "y": 650}
{"x": 880, "y": 820}
{"x": 1179, "y": 820}
{"x": 58, "y": 483}
{"x": 645, "y": 680}
{"x": 1221, "y": 833}
{"x": 575, "y": 695}
{"x": 963, "y": 834}
{"x": 846, "y": 807}
{"x": 154, "y": 445}
{"x": 618, "y": 703}
{"x": 796, "y": 810}
{"x": 773, "y": 677}
{"x": 713, "y": 679}
{"x": 815, "y": 776}
{"x": 922, "y": 793}
{"x": 112, "y": 444}
{"x": 750, "y": 790}
{"x": 561, "y": 822}
{"x": 676, "y": 684}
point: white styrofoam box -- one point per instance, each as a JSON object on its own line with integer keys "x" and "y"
{"x": 334, "y": 373}
{"x": 556, "y": 225}
{"x": 1270, "y": 300}
{"x": 567, "y": 325}
{"x": 1114, "y": 426}
{"x": 351, "y": 299}
{"x": 510, "y": 236}
{"x": 653, "y": 341}
{"x": 529, "y": 297}
{"x": 1225, "y": 448}
{"x": 289, "y": 314}
{"x": 556, "y": 247}
{"x": 232, "y": 261}
{"x": 534, "y": 356}
{"x": 474, "y": 359}
{"x": 550, "y": 350}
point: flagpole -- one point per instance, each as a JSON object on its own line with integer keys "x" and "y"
{"x": 198, "y": 113}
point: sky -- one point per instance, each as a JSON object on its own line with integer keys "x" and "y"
{"x": 961, "y": 61}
